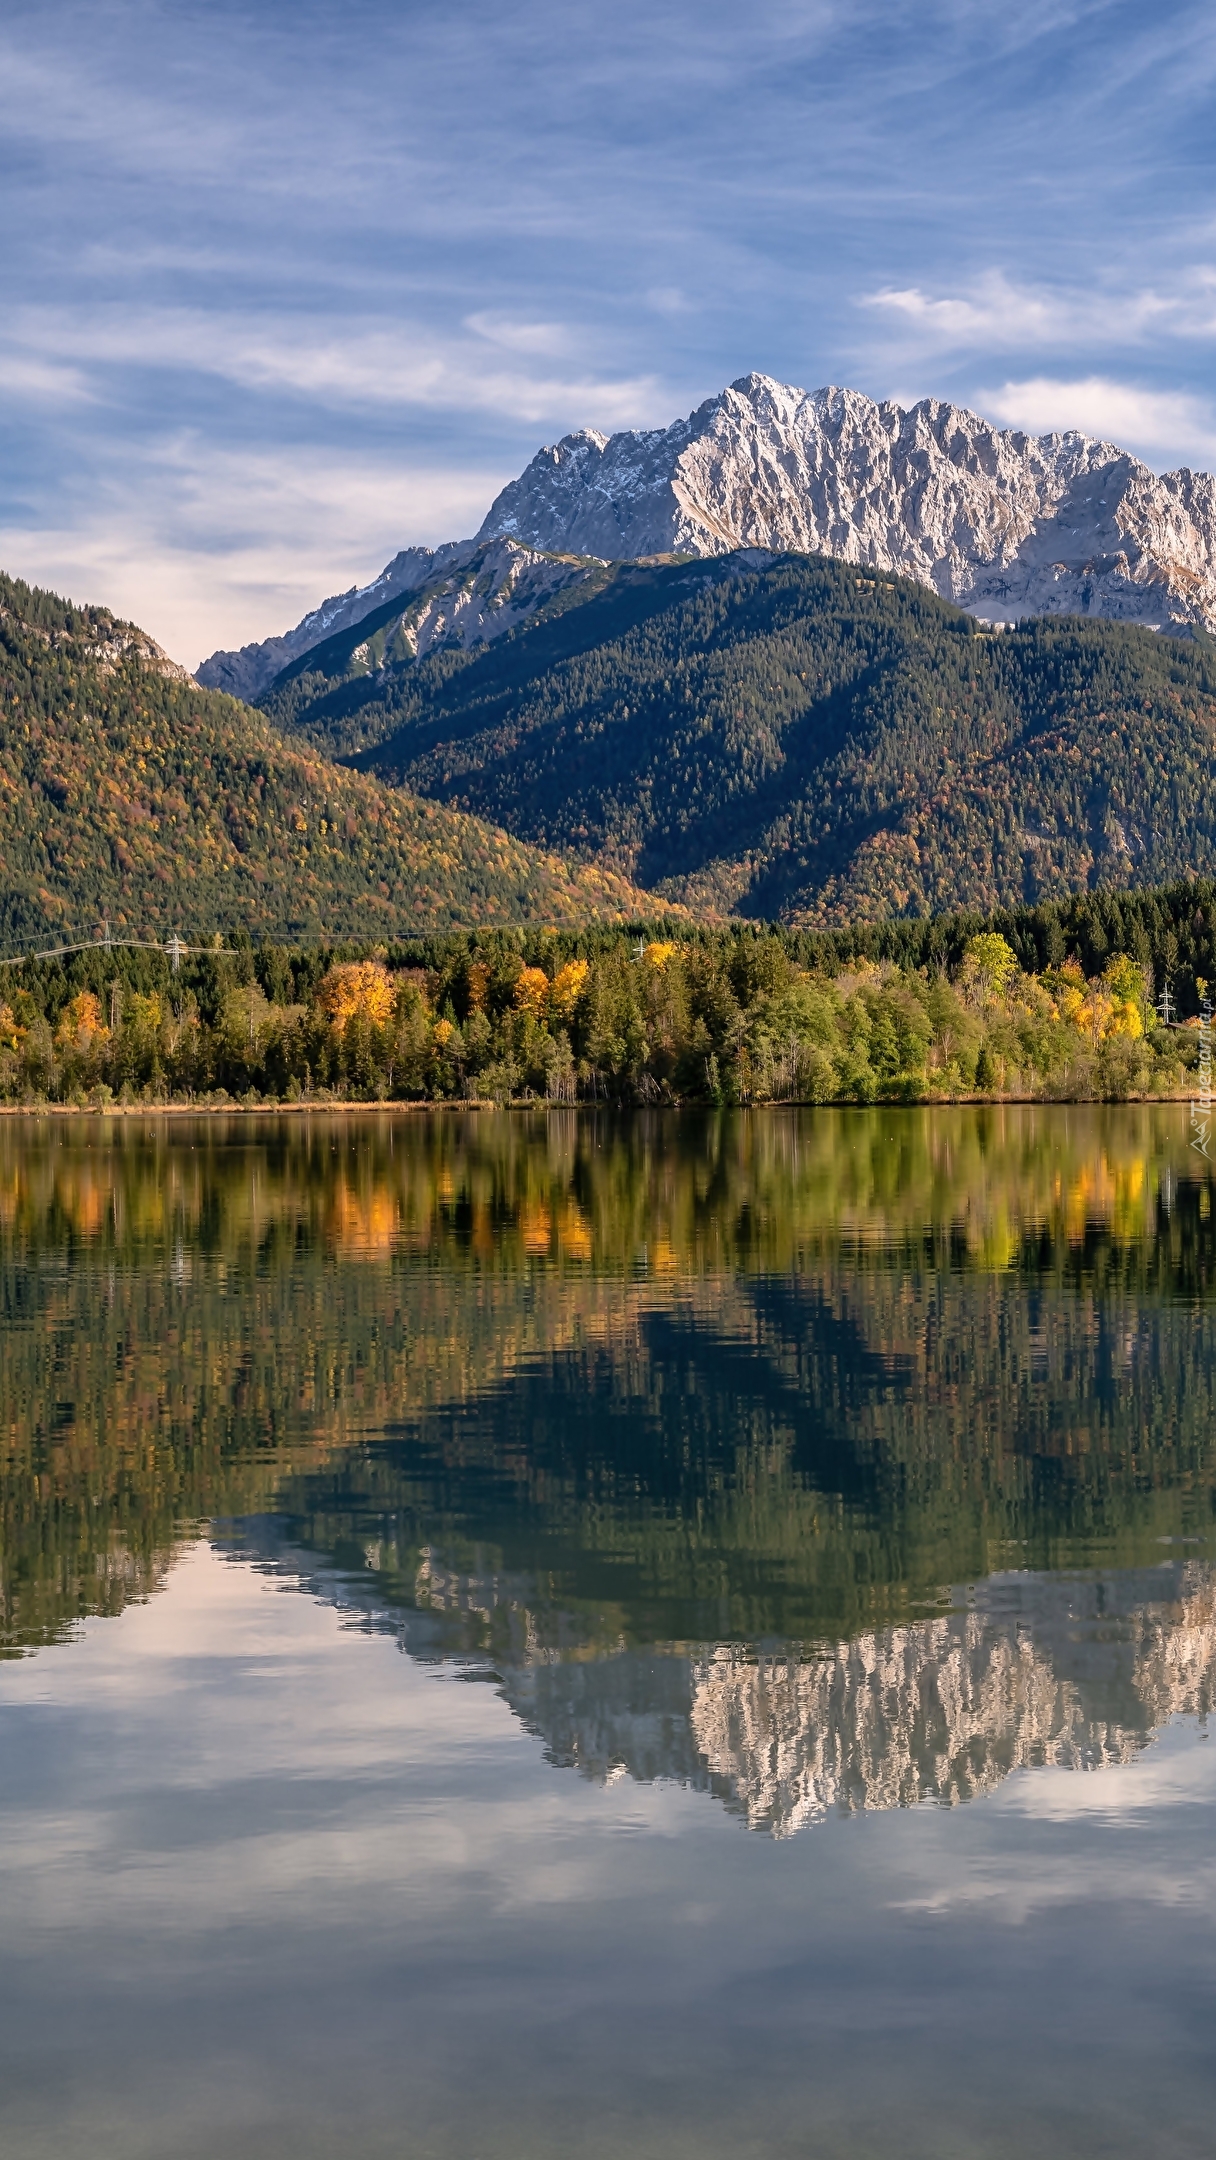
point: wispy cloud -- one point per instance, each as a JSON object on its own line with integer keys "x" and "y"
{"x": 228, "y": 224}
{"x": 1158, "y": 425}
{"x": 28, "y": 377}
{"x": 341, "y": 363}
{"x": 994, "y": 312}
{"x": 206, "y": 550}
{"x": 551, "y": 339}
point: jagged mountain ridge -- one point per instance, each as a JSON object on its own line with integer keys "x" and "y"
{"x": 495, "y": 587}
{"x": 1004, "y": 523}
{"x": 244, "y": 672}
{"x": 458, "y": 596}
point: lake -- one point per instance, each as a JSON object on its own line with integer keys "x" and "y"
{"x": 548, "y": 1634}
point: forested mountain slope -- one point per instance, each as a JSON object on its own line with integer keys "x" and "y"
{"x": 790, "y": 737}
{"x": 126, "y": 791}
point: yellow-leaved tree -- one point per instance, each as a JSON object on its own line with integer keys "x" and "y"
{"x": 990, "y": 966}
{"x": 567, "y": 988}
{"x": 362, "y": 987}
{"x": 1124, "y": 982}
{"x": 532, "y": 991}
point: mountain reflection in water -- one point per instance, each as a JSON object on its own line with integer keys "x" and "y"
{"x": 820, "y": 1461}
{"x": 1075, "y": 1671}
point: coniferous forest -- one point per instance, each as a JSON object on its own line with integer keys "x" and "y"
{"x": 128, "y": 793}
{"x": 800, "y": 740}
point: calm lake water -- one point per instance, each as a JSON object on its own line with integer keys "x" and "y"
{"x": 563, "y": 1636}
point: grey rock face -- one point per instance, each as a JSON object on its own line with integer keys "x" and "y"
{"x": 1078, "y": 1673}
{"x": 245, "y": 673}
{"x": 492, "y": 588}
{"x": 1004, "y": 524}
{"x": 461, "y": 595}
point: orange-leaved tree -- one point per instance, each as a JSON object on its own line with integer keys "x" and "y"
{"x": 362, "y": 987}
{"x": 80, "y": 1023}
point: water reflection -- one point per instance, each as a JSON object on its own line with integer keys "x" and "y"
{"x": 817, "y": 1461}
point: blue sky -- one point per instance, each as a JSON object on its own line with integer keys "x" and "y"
{"x": 290, "y": 286}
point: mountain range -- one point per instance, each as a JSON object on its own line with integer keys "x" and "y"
{"x": 798, "y": 656}
{"x": 1003, "y": 523}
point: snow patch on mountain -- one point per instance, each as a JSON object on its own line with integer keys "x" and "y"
{"x": 1003, "y": 523}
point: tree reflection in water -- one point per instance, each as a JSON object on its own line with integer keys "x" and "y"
{"x": 819, "y": 1459}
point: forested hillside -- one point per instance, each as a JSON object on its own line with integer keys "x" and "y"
{"x": 797, "y": 739}
{"x": 128, "y": 792}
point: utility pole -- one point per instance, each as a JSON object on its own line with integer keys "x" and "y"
{"x": 1165, "y": 1006}
{"x": 174, "y": 950}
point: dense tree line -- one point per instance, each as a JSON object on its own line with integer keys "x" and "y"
{"x": 1052, "y": 1002}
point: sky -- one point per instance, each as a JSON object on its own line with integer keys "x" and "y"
{"x": 291, "y": 286}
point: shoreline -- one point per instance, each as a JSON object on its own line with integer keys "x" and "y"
{"x": 415, "y": 1109}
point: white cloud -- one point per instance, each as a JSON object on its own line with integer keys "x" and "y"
{"x": 994, "y": 311}
{"x": 31, "y": 379}
{"x": 208, "y": 549}
{"x": 360, "y": 363}
{"x": 549, "y": 338}
{"x": 1159, "y": 425}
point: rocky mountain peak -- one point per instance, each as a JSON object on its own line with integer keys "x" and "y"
{"x": 1001, "y": 522}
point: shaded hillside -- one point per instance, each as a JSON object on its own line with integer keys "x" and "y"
{"x": 794, "y": 738}
{"x": 126, "y": 791}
